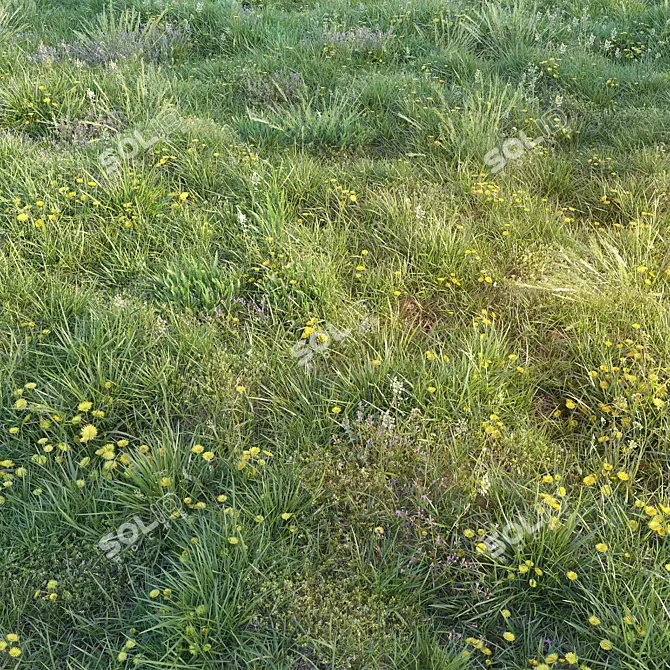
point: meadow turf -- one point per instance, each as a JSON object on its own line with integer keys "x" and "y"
{"x": 292, "y": 376}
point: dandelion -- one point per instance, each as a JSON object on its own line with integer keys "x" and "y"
{"x": 233, "y": 540}
{"x": 15, "y": 652}
{"x": 623, "y": 476}
{"x": 208, "y": 456}
{"x": 601, "y": 547}
{"x": 12, "y": 637}
{"x": 506, "y": 614}
{"x": 336, "y": 410}
{"x": 84, "y": 406}
{"x": 572, "y": 575}
{"x": 510, "y": 637}
{"x": 605, "y": 644}
{"x": 590, "y": 480}
{"x": 571, "y": 658}
{"x": 154, "y": 593}
{"x": 88, "y": 433}
{"x": 197, "y": 449}
{"x": 594, "y": 620}
{"x": 240, "y": 389}
{"x": 286, "y": 516}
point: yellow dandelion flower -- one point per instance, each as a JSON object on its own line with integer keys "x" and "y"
{"x": 572, "y": 576}
{"x": 233, "y": 540}
{"x": 605, "y": 644}
{"x": 510, "y": 637}
{"x": 88, "y": 433}
{"x": 594, "y": 620}
{"x": 601, "y": 547}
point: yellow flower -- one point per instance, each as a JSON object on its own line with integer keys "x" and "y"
{"x": 572, "y": 576}
{"x": 88, "y": 433}
{"x": 165, "y": 482}
{"x": 510, "y": 637}
{"x": 286, "y": 516}
{"x": 623, "y": 476}
{"x": 122, "y": 656}
{"x": 222, "y": 498}
{"x": 552, "y": 658}
{"x": 183, "y": 196}
{"x": 52, "y": 584}
{"x": 15, "y": 652}
{"x": 197, "y": 449}
{"x": 12, "y": 637}
{"x": 259, "y": 519}
{"x": 589, "y": 480}
{"x": 233, "y": 540}
{"x": 240, "y": 389}
{"x": 154, "y": 593}
{"x": 85, "y": 406}
{"x": 431, "y": 389}
{"x": 570, "y": 404}
{"x": 605, "y": 644}
{"x": 601, "y": 547}
{"x": 208, "y": 455}
{"x": 594, "y": 620}
{"x": 571, "y": 658}
{"x": 506, "y": 613}
{"x": 336, "y": 410}
{"x": 469, "y": 533}
{"x": 21, "y": 403}
{"x": 53, "y": 596}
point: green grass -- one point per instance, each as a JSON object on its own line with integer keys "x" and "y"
{"x": 283, "y": 358}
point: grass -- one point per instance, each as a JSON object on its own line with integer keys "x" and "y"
{"x": 305, "y": 364}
